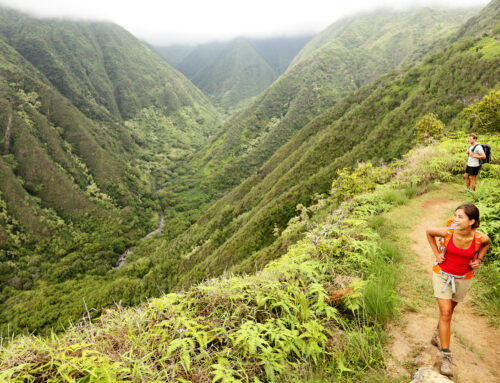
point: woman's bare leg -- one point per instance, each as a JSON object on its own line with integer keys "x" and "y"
{"x": 446, "y": 307}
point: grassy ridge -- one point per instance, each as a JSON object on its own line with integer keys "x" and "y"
{"x": 63, "y": 196}
{"x": 112, "y": 77}
{"x": 371, "y": 32}
{"x": 99, "y": 67}
{"x": 232, "y": 72}
{"x": 235, "y": 75}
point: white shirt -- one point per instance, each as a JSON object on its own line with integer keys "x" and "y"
{"x": 472, "y": 161}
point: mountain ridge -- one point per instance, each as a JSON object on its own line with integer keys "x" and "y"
{"x": 249, "y": 74}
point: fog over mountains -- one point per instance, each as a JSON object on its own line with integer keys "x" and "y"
{"x": 198, "y": 22}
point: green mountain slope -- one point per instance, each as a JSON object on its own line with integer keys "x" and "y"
{"x": 174, "y": 54}
{"x": 61, "y": 185}
{"x": 233, "y": 72}
{"x": 384, "y": 36}
{"x": 112, "y": 77}
{"x": 96, "y": 65}
{"x": 279, "y": 51}
{"x": 91, "y": 121}
{"x": 308, "y": 88}
{"x": 195, "y": 60}
{"x": 235, "y": 75}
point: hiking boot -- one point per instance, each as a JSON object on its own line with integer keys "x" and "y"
{"x": 446, "y": 363}
{"x": 435, "y": 338}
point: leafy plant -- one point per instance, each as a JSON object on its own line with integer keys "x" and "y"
{"x": 429, "y": 127}
{"x": 486, "y": 113}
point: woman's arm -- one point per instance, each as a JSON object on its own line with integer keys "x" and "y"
{"x": 431, "y": 237}
{"x": 485, "y": 244}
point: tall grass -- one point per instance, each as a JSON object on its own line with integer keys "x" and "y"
{"x": 379, "y": 297}
{"x": 486, "y": 292}
{"x": 486, "y": 289}
{"x": 395, "y": 197}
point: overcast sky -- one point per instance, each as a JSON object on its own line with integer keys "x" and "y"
{"x": 191, "y": 21}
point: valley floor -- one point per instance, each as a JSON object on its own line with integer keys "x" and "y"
{"x": 474, "y": 343}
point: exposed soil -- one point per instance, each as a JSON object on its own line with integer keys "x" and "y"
{"x": 475, "y": 345}
{"x": 7, "y": 134}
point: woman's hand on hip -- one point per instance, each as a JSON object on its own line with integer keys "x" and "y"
{"x": 474, "y": 265}
{"x": 439, "y": 258}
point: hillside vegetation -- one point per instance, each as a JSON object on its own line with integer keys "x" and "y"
{"x": 385, "y": 37}
{"x": 99, "y": 66}
{"x": 237, "y": 233}
{"x": 317, "y": 313}
{"x": 301, "y": 94}
{"x": 233, "y": 72}
{"x": 84, "y": 110}
{"x": 236, "y": 74}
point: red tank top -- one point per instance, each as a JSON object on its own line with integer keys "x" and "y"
{"x": 457, "y": 260}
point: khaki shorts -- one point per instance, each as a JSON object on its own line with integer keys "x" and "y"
{"x": 461, "y": 286}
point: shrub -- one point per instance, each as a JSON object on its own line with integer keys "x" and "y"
{"x": 363, "y": 179}
{"x": 429, "y": 127}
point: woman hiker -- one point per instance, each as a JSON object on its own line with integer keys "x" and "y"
{"x": 460, "y": 253}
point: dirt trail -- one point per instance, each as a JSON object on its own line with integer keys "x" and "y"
{"x": 475, "y": 344}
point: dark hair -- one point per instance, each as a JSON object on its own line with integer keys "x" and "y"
{"x": 475, "y": 137}
{"x": 472, "y": 212}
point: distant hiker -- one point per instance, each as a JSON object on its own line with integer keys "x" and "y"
{"x": 461, "y": 251}
{"x": 475, "y": 153}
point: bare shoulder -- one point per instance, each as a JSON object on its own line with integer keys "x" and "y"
{"x": 437, "y": 231}
{"x": 484, "y": 238}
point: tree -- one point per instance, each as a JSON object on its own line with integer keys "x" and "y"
{"x": 486, "y": 113}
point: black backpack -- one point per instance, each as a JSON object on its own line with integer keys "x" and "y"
{"x": 487, "y": 151}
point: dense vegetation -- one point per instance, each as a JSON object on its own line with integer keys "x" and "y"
{"x": 76, "y": 185}
{"x": 389, "y": 40}
{"x": 231, "y": 73}
{"x": 235, "y": 75}
{"x": 316, "y": 313}
{"x": 100, "y": 67}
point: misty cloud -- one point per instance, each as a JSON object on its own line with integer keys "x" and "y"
{"x": 163, "y": 22}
